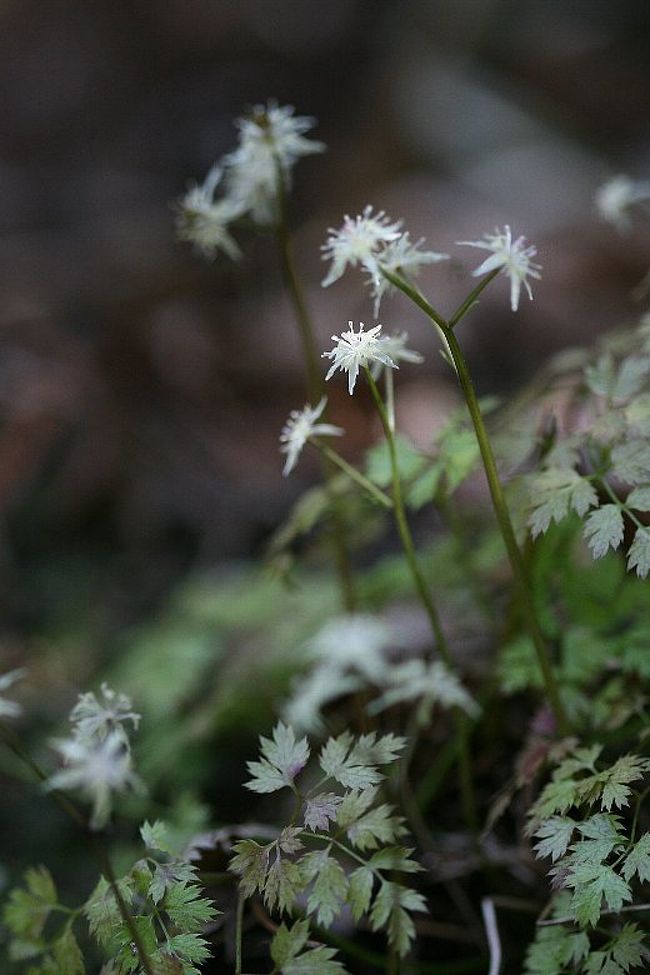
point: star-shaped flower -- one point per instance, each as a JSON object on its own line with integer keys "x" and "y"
{"x": 357, "y": 350}
{"x": 357, "y": 241}
{"x": 203, "y": 221}
{"x": 299, "y": 428}
{"x": 400, "y": 256}
{"x": 512, "y": 256}
{"x": 9, "y": 709}
{"x": 95, "y": 719}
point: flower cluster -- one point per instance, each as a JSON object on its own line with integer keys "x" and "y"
{"x": 513, "y": 257}
{"x": 271, "y": 141}
{"x": 378, "y": 245}
{"x": 97, "y": 757}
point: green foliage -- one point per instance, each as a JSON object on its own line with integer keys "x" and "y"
{"x": 285, "y": 868}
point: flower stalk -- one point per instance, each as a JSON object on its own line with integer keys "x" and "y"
{"x": 494, "y": 483}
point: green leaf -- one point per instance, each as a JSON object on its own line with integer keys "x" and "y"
{"x": 191, "y": 947}
{"x": 638, "y": 556}
{"x": 626, "y": 769}
{"x": 553, "y": 492}
{"x": 555, "y": 835}
{"x": 154, "y": 836}
{"x": 289, "y": 942}
{"x": 603, "y": 836}
{"x": 251, "y": 862}
{"x": 394, "y": 858}
{"x": 592, "y": 883}
{"x": 631, "y": 461}
{"x": 187, "y": 908}
{"x": 320, "y": 810}
{"x": 390, "y": 911}
{"x": 339, "y": 760}
{"x": 378, "y": 466}
{"x": 377, "y": 826}
{"x": 639, "y": 498}
{"x": 283, "y": 759}
{"x": 284, "y": 881}
{"x": 318, "y": 961}
{"x": 28, "y": 908}
{"x": 604, "y": 529}
{"x": 329, "y": 891}
{"x": 67, "y": 954}
{"x": 554, "y": 949}
{"x": 638, "y": 860}
{"x": 354, "y": 805}
{"x": 360, "y": 891}
{"x": 627, "y": 947}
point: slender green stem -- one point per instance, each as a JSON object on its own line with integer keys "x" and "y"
{"x": 354, "y": 474}
{"x": 460, "y": 719}
{"x": 239, "y": 923}
{"x": 315, "y": 383}
{"x": 472, "y": 298}
{"x": 13, "y": 742}
{"x": 496, "y": 490}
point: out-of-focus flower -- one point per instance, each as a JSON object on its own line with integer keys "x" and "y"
{"x": 395, "y": 346}
{"x": 298, "y": 429}
{"x": 356, "y": 642}
{"x": 617, "y": 197}
{"x": 98, "y": 769}
{"x": 271, "y": 141}
{"x": 357, "y": 350}
{"x": 358, "y": 241}
{"x": 427, "y": 683}
{"x": 203, "y": 221}
{"x": 10, "y": 709}
{"x": 310, "y": 695}
{"x": 95, "y": 719}
{"x": 402, "y": 257}
{"x": 512, "y": 256}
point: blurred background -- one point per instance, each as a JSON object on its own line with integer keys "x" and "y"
{"x": 142, "y": 389}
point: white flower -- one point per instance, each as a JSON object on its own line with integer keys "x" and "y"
{"x": 95, "y": 719}
{"x": 400, "y": 256}
{"x": 430, "y": 683}
{"x": 204, "y": 222}
{"x": 617, "y": 197}
{"x": 356, "y": 642}
{"x": 312, "y": 693}
{"x": 270, "y": 139}
{"x": 98, "y": 769}
{"x": 357, "y": 350}
{"x": 395, "y": 346}
{"x": 357, "y": 241}
{"x": 300, "y": 426}
{"x": 512, "y": 256}
{"x": 9, "y": 709}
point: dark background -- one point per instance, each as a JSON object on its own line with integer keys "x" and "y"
{"x": 141, "y": 389}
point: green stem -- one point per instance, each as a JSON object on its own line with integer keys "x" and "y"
{"x": 315, "y": 384}
{"x": 471, "y": 299}
{"x": 13, "y": 742}
{"x": 460, "y": 719}
{"x": 496, "y": 490}
{"x": 354, "y": 474}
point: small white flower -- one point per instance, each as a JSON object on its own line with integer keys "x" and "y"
{"x": 400, "y": 256}
{"x": 356, "y": 642}
{"x": 298, "y": 429}
{"x": 357, "y": 350}
{"x": 428, "y": 683}
{"x": 204, "y": 222}
{"x": 512, "y": 256}
{"x": 97, "y": 769}
{"x": 395, "y": 346}
{"x": 270, "y": 138}
{"x": 357, "y": 241}
{"x": 94, "y": 720}
{"x": 617, "y": 197}
{"x": 311, "y": 694}
{"x": 9, "y": 709}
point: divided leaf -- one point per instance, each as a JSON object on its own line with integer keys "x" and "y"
{"x": 283, "y": 758}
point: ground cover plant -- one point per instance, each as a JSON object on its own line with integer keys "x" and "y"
{"x": 469, "y": 797}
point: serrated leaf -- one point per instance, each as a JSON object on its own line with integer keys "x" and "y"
{"x": 638, "y": 556}
{"x": 602, "y": 837}
{"x": 592, "y": 883}
{"x": 360, "y": 891}
{"x": 604, "y": 529}
{"x": 627, "y": 947}
{"x": 28, "y": 907}
{"x": 395, "y": 858}
{"x": 67, "y": 954}
{"x": 353, "y": 805}
{"x": 639, "y": 498}
{"x": 283, "y": 758}
{"x": 339, "y": 760}
{"x": 329, "y": 891}
{"x": 289, "y": 942}
{"x": 289, "y": 839}
{"x": 318, "y": 961}
{"x": 251, "y": 862}
{"x": 320, "y": 810}
{"x": 553, "y": 492}
{"x": 377, "y": 826}
{"x": 555, "y": 835}
{"x": 378, "y": 463}
{"x": 628, "y": 768}
{"x": 390, "y": 911}
{"x": 187, "y": 908}
{"x": 631, "y": 461}
{"x": 555, "y": 948}
{"x": 284, "y": 881}
{"x": 638, "y": 860}
{"x": 154, "y": 836}
{"x": 191, "y": 947}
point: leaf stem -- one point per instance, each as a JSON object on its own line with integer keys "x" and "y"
{"x": 239, "y": 922}
{"x": 354, "y": 474}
